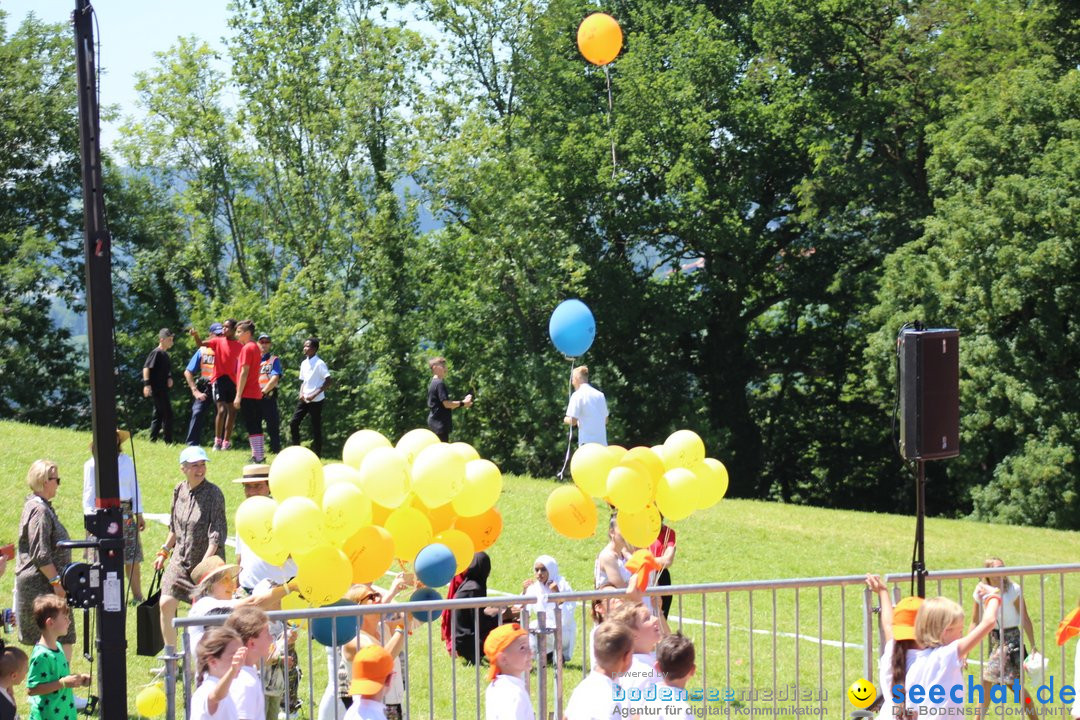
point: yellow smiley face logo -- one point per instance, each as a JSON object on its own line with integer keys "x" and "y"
{"x": 862, "y": 693}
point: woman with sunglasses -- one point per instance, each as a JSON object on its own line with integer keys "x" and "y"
{"x": 40, "y": 559}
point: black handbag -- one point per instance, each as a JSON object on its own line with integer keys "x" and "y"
{"x": 149, "y": 641}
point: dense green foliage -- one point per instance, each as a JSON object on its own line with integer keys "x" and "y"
{"x": 825, "y": 171}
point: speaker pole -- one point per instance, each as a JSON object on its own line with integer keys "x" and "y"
{"x": 918, "y": 562}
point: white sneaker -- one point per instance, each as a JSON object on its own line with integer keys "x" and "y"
{"x": 80, "y": 702}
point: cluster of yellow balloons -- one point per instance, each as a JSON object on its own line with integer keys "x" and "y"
{"x": 673, "y": 480}
{"x": 348, "y": 522}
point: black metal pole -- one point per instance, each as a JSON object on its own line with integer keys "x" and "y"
{"x": 107, "y": 524}
{"x": 918, "y": 565}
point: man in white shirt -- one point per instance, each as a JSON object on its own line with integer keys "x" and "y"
{"x": 587, "y": 409}
{"x": 314, "y": 378}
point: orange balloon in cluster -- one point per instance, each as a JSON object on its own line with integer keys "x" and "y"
{"x": 483, "y": 529}
{"x": 370, "y": 552}
{"x": 599, "y": 38}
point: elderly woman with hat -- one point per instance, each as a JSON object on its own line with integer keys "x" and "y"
{"x": 40, "y": 560}
{"x": 130, "y": 503}
{"x": 197, "y": 530}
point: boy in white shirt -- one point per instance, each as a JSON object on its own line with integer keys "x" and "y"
{"x": 594, "y": 697}
{"x": 246, "y": 691}
{"x": 645, "y": 629}
{"x": 507, "y": 698}
{"x": 372, "y": 670}
{"x": 675, "y": 665}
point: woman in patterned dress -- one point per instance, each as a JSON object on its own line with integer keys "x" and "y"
{"x": 197, "y": 529}
{"x": 40, "y": 561}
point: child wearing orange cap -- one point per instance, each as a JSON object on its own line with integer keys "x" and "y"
{"x": 594, "y": 697}
{"x": 507, "y": 698}
{"x": 1067, "y": 628}
{"x": 372, "y": 669}
{"x": 898, "y": 652}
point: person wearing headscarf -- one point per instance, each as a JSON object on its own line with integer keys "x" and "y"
{"x": 472, "y": 625}
{"x": 545, "y": 581}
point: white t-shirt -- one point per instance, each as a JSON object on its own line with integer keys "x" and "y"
{"x": 642, "y": 673}
{"x": 666, "y": 705}
{"x": 363, "y": 709}
{"x": 129, "y": 485}
{"x": 1010, "y": 616}
{"x": 247, "y": 694}
{"x": 1076, "y": 681}
{"x": 200, "y": 703}
{"x": 313, "y": 373}
{"x": 204, "y": 606}
{"x": 594, "y": 699}
{"x": 253, "y": 569}
{"x": 589, "y": 408}
{"x": 934, "y": 666}
{"x": 506, "y": 698}
{"x": 885, "y": 678}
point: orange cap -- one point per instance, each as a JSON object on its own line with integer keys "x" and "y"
{"x": 498, "y": 640}
{"x": 1069, "y": 627}
{"x": 903, "y": 619}
{"x": 371, "y": 669}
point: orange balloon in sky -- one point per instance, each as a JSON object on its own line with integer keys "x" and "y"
{"x": 599, "y": 38}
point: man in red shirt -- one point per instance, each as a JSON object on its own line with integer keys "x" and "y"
{"x": 223, "y": 381}
{"x": 248, "y": 393}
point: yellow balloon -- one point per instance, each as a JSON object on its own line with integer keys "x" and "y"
{"x": 628, "y": 489}
{"x": 151, "y": 701}
{"x": 340, "y": 472}
{"x": 438, "y": 473}
{"x": 359, "y": 444}
{"x": 294, "y": 601}
{"x": 647, "y": 458}
{"x": 296, "y": 472}
{"x": 460, "y": 544}
{"x": 379, "y": 514}
{"x": 273, "y": 552}
{"x": 411, "y": 531}
{"x": 370, "y": 552}
{"x": 483, "y": 485}
{"x": 714, "y": 480}
{"x": 412, "y": 442}
{"x": 384, "y": 477}
{"x": 442, "y": 517}
{"x": 599, "y": 38}
{"x": 683, "y": 448}
{"x": 466, "y": 451}
{"x": 675, "y": 495}
{"x": 590, "y": 466}
{"x": 255, "y": 521}
{"x": 640, "y": 528}
{"x": 618, "y": 452}
{"x": 323, "y": 574}
{"x": 483, "y": 529}
{"x": 571, "y": 512}
{"x": 346, "y": 511}
{"x": 298, "y": 525}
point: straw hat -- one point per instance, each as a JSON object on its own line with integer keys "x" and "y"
{"x": 122, "y": 436}
{"x": 254, "y": 473}
{"x": 212, "y": 569}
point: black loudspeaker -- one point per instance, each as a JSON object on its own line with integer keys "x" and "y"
{"x": 929, "y": 394}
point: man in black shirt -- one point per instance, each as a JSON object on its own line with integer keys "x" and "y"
{"x": 157, "y": 379}
{"x": 439, "y": 402}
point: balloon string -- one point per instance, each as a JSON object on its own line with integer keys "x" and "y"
{"x": 611, "y": 128}
{"x": 570, "y": 432}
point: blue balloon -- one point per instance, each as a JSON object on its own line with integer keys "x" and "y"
{"x": 322, "y": 629}
{"x": 426, "y": 594}
{"x": 572, "y": 328}
{"x": 435, "y": 565}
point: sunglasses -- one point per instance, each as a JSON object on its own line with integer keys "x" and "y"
{"x": 57, "y": 479}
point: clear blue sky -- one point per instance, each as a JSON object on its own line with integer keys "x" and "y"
{"x": 131, "y": 31}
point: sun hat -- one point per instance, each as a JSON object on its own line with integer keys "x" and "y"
{"x": 212, "y": 569}
{"x": 217, "y": 329}
{"x": 903, "y": 619}
{"x": 254, "y": 473}
{"x": 371, "y": 668}
{"x": 264, "y": 336}
{"x": 164, "y": 333}
{"x": 193, "y": 453}
{"x": 122, "y": 436}
{"x": 498, "y": 640}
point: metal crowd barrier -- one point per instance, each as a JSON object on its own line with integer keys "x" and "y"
{"x": 807, "y": 683}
